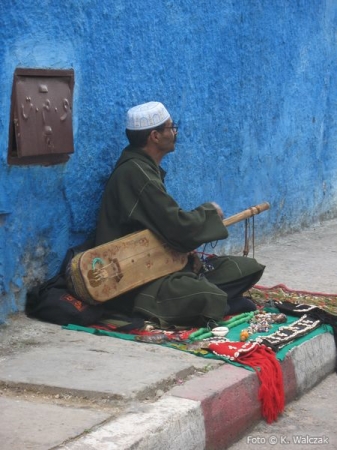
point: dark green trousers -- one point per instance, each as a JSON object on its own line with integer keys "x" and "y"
{"x": 186, "y": 298}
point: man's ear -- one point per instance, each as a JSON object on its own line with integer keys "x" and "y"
{"x": 153, "y": 136}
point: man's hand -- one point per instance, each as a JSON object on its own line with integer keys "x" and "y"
{"x": 195, "y": 261}
{"x": 218, "y": 210}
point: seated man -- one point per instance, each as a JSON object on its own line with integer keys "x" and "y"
{"x": 135, "y": 199}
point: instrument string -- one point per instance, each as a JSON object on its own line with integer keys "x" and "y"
{"x": 249, "y": 235}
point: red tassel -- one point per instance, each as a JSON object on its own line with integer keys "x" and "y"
{"x": 268, "y": 369}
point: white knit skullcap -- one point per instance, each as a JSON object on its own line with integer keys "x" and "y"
{"x": 147, "y": 115}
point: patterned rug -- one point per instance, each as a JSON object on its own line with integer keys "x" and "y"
{"x": 264, "y": 295}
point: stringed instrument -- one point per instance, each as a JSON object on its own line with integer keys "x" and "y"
{"x": 109, "y": 270}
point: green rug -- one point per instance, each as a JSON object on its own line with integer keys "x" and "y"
{"x": 175, "y": 339}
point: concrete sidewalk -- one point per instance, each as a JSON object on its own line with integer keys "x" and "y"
{"x": 62, "y": 389}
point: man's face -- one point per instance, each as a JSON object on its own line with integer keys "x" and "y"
{"x": 168, "y": 136}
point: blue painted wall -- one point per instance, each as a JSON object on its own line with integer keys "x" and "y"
{"x": 252, "y": 84}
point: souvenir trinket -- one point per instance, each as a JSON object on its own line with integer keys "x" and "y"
{"x": 220, "y": 331}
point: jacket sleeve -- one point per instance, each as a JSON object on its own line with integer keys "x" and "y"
{"x": 182, "y": 230}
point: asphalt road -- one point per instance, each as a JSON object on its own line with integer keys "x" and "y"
{"x": 307, "y": 423}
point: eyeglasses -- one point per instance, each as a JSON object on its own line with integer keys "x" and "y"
{"x": 173, "y": 127}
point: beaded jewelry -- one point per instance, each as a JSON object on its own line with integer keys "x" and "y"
{"x": 237, "y": 320}
{"x": 287, "y": 334}
{"x": 263, "y": 321}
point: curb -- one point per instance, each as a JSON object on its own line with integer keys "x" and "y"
{"x": 212, "y": 411}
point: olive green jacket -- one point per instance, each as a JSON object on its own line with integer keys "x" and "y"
{"x": 135, "y": 198}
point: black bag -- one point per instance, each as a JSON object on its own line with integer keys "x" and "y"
{"x": 51, "y": 301}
